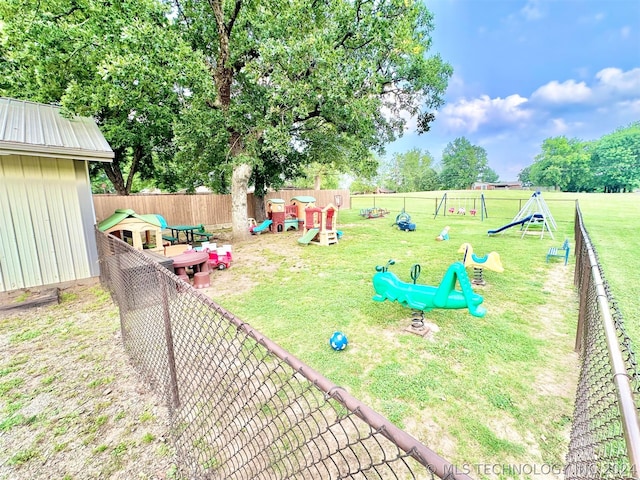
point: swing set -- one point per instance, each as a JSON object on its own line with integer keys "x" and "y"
{"x": 462, "y": 209}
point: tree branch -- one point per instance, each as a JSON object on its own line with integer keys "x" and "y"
{"x": 234, "y": 16}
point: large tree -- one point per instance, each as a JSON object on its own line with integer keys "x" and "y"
{"x": 463, "y": 164}
{"x": 411, "y": 171}
{"x": 288, "y": 77}
{"x": 115, "y": 61}
{"x": 615, "y": 160}
{"x": 563, "y": 164}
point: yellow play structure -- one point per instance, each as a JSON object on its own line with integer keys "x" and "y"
{"x": 490, "y": 261}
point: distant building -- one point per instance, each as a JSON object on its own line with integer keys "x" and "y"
{"x": 384, "y": 190}
{"x": 497, "y": 186}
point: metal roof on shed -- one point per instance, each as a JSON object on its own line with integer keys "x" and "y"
{"x": 29, "y": 128}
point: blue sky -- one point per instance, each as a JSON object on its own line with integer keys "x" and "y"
{"x": 527, "y": 70}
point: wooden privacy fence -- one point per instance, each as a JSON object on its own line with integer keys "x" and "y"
{"x": 205, "y": 208}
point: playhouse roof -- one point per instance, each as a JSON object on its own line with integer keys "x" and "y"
{"x": 37, "y": 129}
{"x": 304, "y": 199}
{"x": 122, "y": 214}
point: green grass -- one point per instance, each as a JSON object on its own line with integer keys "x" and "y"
{"x": 63, "y": 384}
{"x": 499, "y": 388}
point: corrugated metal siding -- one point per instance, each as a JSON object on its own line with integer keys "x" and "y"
{"x": 35, "y": 125}
{"x": 42, "y": 233}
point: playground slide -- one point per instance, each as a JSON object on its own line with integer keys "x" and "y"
{"x": 310, "y": 235}
{"x": 262, "y": 227}
{"x": 513, "y": 224}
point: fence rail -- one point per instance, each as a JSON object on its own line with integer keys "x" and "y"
{"x": 240, "y": 406}
{"x": 605, "y": 435}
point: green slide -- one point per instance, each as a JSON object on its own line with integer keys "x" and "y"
{"x": 310, "y": 235}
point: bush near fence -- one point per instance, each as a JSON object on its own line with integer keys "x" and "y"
{"x": 211, "y": 210}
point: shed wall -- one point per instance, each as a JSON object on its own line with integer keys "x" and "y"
{"x": 46, "y": 222}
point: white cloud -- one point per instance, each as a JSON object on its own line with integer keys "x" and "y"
{"x": 625, "y": 32}
{"x": 468, "y": 115}
{"x": 616, "y": 81}
{"x": 569, "y": 91}
{"x": 592, "y": 19}
{"x": 532, "y": 11}
{"x": 610, "y": 86}
{"x": 633, "y": 106}
{"x": 559, "y": 126}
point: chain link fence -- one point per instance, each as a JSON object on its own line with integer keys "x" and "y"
{"x": 242, "y": 407}
{"x": 605, "y": 438}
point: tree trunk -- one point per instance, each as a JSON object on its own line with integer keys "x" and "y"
{"x": 260, "y": 209}
{"x": 114, "y": 173}
{"x": 317, "y": 181}
{"x": 239, "y": 217}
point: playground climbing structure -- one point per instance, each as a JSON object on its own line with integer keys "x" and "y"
{"x": 533, "y": 218}
{"x": 320, "y": 226}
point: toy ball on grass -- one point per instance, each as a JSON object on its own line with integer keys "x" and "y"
{"x": 338, "y": 341}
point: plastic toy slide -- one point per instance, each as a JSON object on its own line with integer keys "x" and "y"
{"x": 310, "y": 235}
{"x": 513, "y": 224}
{"x": 262, "y": 227}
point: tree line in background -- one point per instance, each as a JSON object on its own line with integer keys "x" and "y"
{"x": 259, "y": 93}
{"x": 610, "y": 164}
{"x": 229, "y": 94}
{"x": 461, "y": 166}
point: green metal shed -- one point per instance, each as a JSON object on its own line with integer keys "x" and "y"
{"x": 46, "y": 210}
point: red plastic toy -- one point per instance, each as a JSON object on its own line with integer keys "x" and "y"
{"x": 219, "y": 258}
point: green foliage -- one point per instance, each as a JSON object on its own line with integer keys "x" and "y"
{"x": 488, "y": 175}
{"x": 564, "y": 164}
{"x": 311, "y": 82}
{"x": 411, "y": 172}
{"x": 316, "y": 176}
{"x": 184, "y": 99}
{"x": 525, "y": 176}
{"x": 120, "y": 63}
{"x": 362, "y": 186}
{"x": 616, "y": 160}
{"x": 463, "y": 164}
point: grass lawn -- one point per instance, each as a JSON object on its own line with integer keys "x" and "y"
{"x": 492, "y": 390}
{"x": 71, "y": 405}
{"x": 497, "y": 390}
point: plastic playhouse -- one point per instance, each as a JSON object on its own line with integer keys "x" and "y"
{"x": 319, "y": 226}
{"x": 283, "y": 217}
{"x": 140, "y": 231}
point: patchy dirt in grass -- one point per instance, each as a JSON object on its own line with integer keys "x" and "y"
{"x": 256, "y": 254}
{"x": 562, "y": 301}
{"x": 71, "y": 405}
